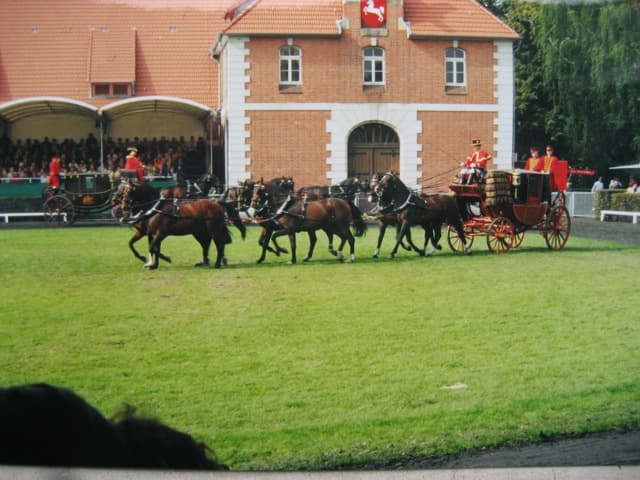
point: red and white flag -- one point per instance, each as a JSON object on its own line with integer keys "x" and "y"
{"x": 373, "y": 13}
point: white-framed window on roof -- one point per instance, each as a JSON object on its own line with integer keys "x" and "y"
{"x": 290, "y": 68}
{"x": 111, "y": 90}
{"x": 373, "y": 68}
{"x": 455, "y": 70}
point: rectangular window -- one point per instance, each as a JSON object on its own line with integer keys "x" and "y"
{"x": 111, "y": 90}
{"x": 101, "y": 90}
{"x": 373, "y": 66}
{"x": 455, "y": 76}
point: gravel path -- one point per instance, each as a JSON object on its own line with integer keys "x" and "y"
{"x": 624, "y": 232}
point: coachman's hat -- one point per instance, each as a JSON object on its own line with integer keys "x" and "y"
{"x": 132, "y": 150}
{"x": 476, "y": 142}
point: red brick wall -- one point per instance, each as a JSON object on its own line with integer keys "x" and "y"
{"x": 289, "y": 144}
{"x": 446, "y": 138}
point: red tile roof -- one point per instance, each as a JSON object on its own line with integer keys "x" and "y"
{"x": 288, "y": 17}
{"x": 454, "y": 19}
{"x": 112, "y": 56}
{"x": 45, "y": 48}
{"x": 54, "y": 50}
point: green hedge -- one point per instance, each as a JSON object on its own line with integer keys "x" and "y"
{"x": 616, "y": 200}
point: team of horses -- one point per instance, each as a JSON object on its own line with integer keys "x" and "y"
{"x": 281, "y": 210}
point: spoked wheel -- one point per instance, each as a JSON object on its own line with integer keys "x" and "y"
{"x": 560, "y": 200}
{"x": 59, "y": 210}
{"x": 455, "y": 242}
{"x": 518, "y": 237}
{"x": 557, "y": 228}
{"x": 500, "y": 235}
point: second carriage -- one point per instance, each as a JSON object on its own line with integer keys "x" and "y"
{"x": 508, "y": 203}
{"x": 80, "y": 194}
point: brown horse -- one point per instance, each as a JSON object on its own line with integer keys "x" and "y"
{"x": 428, "y": 211}
{"x": 134, "y": 198}
{"x": 204, "y": 219}
{"x": 269, "y": 197}
{"x": 385, "y": 216}
{"x": 332, "y": 215}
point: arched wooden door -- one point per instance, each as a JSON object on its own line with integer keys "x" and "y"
{"x": 373, "y": 148}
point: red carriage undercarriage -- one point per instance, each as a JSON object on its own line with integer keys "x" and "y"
{"x": 508, "y": 203}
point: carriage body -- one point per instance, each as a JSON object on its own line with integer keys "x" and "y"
{"x": 508, "y": 203}
{"x": 80, "y": 194}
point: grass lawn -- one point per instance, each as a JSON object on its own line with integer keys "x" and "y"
{"x": 325, "y": 365}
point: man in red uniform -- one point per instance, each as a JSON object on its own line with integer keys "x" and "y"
{"x": 549, "y": 160}
{"x": 55, "y": 168}
{"x": 475, "y": 165}
{"x": 133, "y": 163}
{"x": 534, "y": 162}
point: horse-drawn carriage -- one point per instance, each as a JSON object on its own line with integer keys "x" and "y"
{"x": 508, "y": 203}
{"x": 80, "y": 194}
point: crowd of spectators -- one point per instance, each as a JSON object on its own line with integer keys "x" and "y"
{"x": 162, "y": 157}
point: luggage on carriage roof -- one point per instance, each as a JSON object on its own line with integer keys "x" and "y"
{"x": 497, "y": 188}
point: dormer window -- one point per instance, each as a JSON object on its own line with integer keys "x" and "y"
{"x": 111, "y": 90}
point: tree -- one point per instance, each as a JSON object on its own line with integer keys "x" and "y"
{"x": 578, "y": 79}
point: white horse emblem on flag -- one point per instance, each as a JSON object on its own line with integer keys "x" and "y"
{"x": 371, "y": 8}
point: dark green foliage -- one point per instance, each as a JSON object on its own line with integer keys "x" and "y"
{"x": 578, "y": 80}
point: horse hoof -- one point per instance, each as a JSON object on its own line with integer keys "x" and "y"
{"x": 225, "y": 262}
{"x": 438, "y": 247}
{"x": 201, "y": 264}
{"x": 333, "y": 252}
{"x": 306, "y": 259}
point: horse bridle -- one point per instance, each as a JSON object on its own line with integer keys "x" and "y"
{"x": 260, "y": 198}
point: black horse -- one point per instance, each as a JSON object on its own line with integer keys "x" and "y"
{"x": 429, "y": 211}
{"x": 346, "y": 189}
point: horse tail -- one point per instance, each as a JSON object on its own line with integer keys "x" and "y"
{"x": 453, "y": 215}
{"x": 226, "y": 234}
{"x": 359, "y": 225}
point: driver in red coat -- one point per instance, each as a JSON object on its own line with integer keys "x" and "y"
{"x": 55, "y": 169}
{"x": 134, "y": 163}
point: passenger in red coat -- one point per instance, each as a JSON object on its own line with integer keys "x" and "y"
{"x": 134, "y": 163}
{"x": 534, "y": 162}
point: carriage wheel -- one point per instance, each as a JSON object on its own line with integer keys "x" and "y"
{"x": 59, "y": 210}
{"x": 500, "y": 235}
{"x": 518, "y": 237}
{"x": 560, "y": 200}
{"x": 455, "y": 242}
{"x": 557, "y": 228}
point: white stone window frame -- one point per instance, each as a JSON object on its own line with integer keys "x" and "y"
{"x": 372, "y": 58}
{"x": 458, "y": 66}
{"x": 289, "y": 57}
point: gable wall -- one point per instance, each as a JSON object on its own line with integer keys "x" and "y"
{"x": 435, "y": 128}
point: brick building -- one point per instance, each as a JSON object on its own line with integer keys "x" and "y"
{"x": 316, "y": 90}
